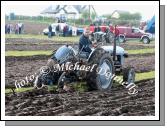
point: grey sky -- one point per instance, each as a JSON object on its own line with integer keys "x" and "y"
{"x": 147, "y": 11}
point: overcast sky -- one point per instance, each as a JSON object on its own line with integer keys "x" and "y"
{"x": 147, "y": 11}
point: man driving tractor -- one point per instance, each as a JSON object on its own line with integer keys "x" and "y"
{"x": 85, "y": 43}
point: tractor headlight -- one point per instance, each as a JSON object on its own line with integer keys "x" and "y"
{"x": 125, "y": 54}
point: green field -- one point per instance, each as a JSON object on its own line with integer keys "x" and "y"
{"x": 44, "y": 37}
{"x": 32, "y": 53}
{"x": 19, "y": 89}
{"x": 145, "y": 76}
{"x": 45, "y": 22}
{"x": 142, "y": 51}
{"x": 27, "y": 53}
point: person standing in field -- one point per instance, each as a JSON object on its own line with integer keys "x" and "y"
{"x": 57, "y": 29}
{"x": 64, "y": 31}
{"x": 11, "y": 28}
{"x": 8, "y": 28}
{"x": 5, "y": 28}
{"x": 16, "y": 29}
{"x": 50, "y": 31}
{"x": 20, "y": 27}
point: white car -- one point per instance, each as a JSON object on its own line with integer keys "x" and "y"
{"x": 54, "y": 25}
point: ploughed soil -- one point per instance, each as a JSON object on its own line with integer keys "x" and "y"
{"x": 116, "y": 102}
{"x": 17, "y": 68}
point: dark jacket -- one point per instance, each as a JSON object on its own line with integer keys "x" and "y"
{"x": 97, "y": 29}
{"x": 85, "y": 43}
{"x": 50, "y": 28}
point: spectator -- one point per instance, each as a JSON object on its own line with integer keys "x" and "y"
{"x": 5, "y": 28}
{"x": 11, "y": 28}
{"x": 58, "y": 20}
{"x": 50, "y": 31}
{"x": 20, "y": 27}
{"x": 97, "y": 29}
{"x": 8, "y": 28}
{"x": 67, "y": 30}
{"x": 64, "y": 30}
{"x": 57, "y": 29}
{"x": 91, "y": 24}
{"x": 16, "y": 29}
{"x": 114, "y": 30}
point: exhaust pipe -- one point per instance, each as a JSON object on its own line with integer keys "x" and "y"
{"x": 114, "y": 50}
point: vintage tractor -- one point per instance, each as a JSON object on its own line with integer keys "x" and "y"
{"x": 108, "y": 58}
{"x": 102, "y": 34}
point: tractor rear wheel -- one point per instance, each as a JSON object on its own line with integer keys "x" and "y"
{"x": 101, "y": 76}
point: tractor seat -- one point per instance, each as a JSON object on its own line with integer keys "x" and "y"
{"x": 99, "y": 33}
{"x": 84, "y": 55}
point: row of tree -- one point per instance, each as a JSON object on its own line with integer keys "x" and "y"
{"x": 87, "y": 18}
{"x": 34, "y": 18}
{"x": 126, "y": 16}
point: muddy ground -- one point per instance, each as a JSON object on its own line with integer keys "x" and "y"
{"x": 17, "y": 68}
{"x": 116, "y": 102}
{"x": 33, "y": 44}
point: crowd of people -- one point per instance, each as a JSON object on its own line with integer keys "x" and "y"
{"x": 58, "y": 30}
{"x": 17, "y": 28}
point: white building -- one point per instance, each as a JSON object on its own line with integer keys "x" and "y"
{"x": 68, "y": 11}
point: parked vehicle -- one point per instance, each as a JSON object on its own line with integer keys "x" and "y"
{"x": 57, "y": 29}
{"x": 135, "y": 33}
{"x": 54, "y": 25}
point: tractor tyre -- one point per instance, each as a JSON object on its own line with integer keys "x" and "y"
{"x": 129, "y": 75}
{"x": 97, "y": 79}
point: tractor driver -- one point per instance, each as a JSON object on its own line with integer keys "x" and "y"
{"x": 84, "y": 41}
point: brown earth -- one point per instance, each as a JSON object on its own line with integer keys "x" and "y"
{"x": 116, "y": 102}
{"x": 17, "y": 68}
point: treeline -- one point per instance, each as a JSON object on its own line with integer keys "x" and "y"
{"x": 87, "y": 19}
{"x": 34, "y": 18}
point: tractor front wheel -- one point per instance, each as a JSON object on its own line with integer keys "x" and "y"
{"x": 129, "y": 75}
